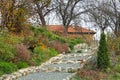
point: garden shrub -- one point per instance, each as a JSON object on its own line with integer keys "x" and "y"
{"x": 1, "y": 73}
{"x": 59, "y": 38}
{"x": 7, "y": 67}
{"x": 115, "y": 76}
{"x": 113, "y": 42}
{"x": 11, "y": 38}
{"x": 22, "y": 52}
{"x": 42, "y": 30}
{"x": 22, "y": 64}
{"x": 30, "y": 42}
{"x": 14, "y": 39}
{"x": 42, "y": 53}
{"x": 103, "y": 60}
{"x": 118, "y": 58}
{"x": 117, "y": 52}
{"x": 47, "y": 34}
{"x": 60, "y": 47}
{"x": 7, "y": 51}
{"x": 52, "y": 52}
{"x": 71, "y": 45}
{"x": 73, "y": 42}
{"x": 38, "y": 55}
{"x": 77, "y": 78}
{"x": 117, "y": 68}
{"x": 32, "y": 28}
{"x": 66, "y": 47}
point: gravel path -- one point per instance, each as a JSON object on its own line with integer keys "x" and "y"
{"x": 62, "y": 67}
{"x": 46, "y": 76}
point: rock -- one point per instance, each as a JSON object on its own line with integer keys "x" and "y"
{"x": 70, "y": 61}
{"x": 81, "y": 46}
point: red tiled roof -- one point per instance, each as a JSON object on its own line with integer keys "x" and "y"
{"x": 71, "y": 29}
{"x": 56, "y": 28}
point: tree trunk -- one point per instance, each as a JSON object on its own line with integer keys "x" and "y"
{"x": 102, "y": 29}
{"x": 66, "y": 31}
{"x": 42, "y": 20}
{"x": 41, "y": 16}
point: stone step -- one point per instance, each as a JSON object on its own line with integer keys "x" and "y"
{"x": 59, "y": 65}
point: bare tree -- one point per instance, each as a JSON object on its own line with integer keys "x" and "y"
{"x": 114, "y": 14}
{"x": 68, "y": 10}
{"x": 97, "y": 16}
{"x": 42, "y": 8}
{"x": 106, "y": 14}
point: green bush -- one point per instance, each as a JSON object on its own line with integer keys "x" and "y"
{"x": 11, "y": 39}
{"x": 22, "y": 64}
{"x": 42, "y": 30}
{"x": 7, "y": 51}
{"x": 52, "y": 52}
{"x": 117, "y": 68}
{"x": 31, "y": 42}
{"x": 115, "y": 76}
{"x": 37, "y": 55}
{"x": 71, "y": 45}
{"x": 73, "y": 42}
{"x": 59, "y": 38}
{"x": 7, "y": 68}
{"x": 118, "y": 58}
{"x": 77, "y": 78}
{"x": 48, "y": 34}
{"x": 103, "y": 60}
{"x": 1, "y": 73}
{"x": 41, "y": 55}
{"x": 32, "y": 28}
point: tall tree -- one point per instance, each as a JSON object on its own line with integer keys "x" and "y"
{"x": 13, "y": 14}
{"x": 68, "y": 10}
{"x": 97, "y": 16}
{"x": 42, "y": 8}
{"x": 105, "y": 14}
{"x": 113, "y": 12}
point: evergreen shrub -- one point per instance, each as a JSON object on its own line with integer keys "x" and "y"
{"x": 103, "y": 60}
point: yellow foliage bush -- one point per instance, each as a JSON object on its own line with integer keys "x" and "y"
{"x": 43, "y": 47}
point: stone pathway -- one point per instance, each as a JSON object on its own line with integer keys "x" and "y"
{"x": 61, "y": 67}
{"x": 46, "y": 76}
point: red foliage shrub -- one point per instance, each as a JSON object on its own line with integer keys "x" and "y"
{"x": 117, "y": 53}
{"x": 22, "y": 52}
{"x": 65, "y": 47}
{"x": 60, "y": 47}
{"x": 91, "y": 74}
